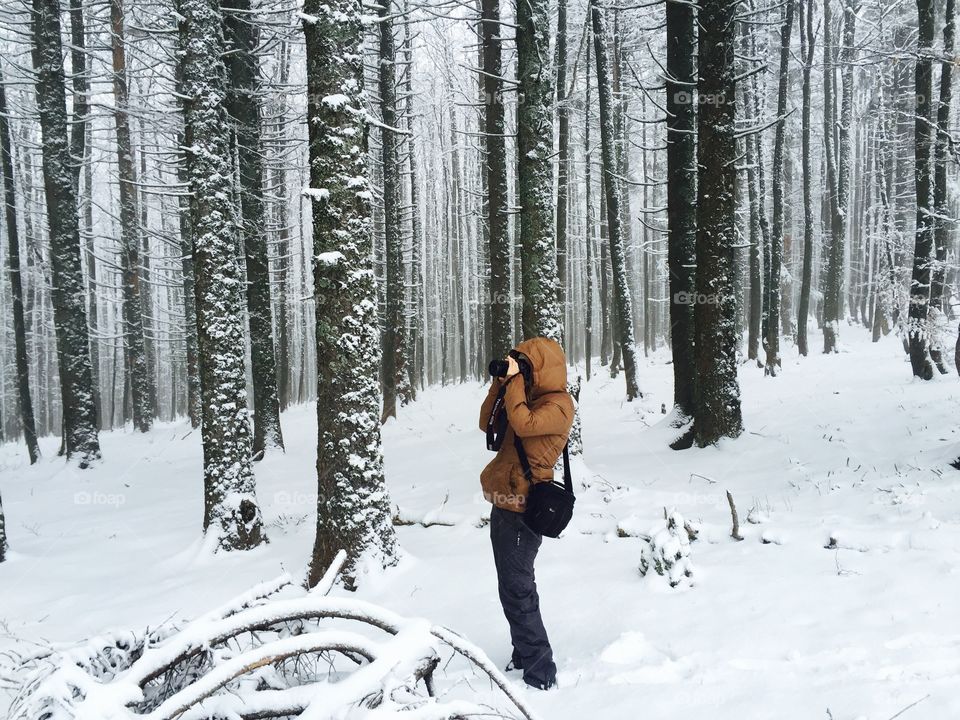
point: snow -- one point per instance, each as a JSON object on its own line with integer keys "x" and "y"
{"x": 317, "y": 194}
{"x": 841, "y": 596}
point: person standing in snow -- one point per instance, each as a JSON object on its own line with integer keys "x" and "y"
{"x": 539, "y": 412}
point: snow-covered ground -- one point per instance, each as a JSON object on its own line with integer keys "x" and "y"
{"x": 842, "y": 447}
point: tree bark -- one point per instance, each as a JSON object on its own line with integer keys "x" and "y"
{"x": 27, "y": 419}
{"x": 621, "y": 291}
{"x": 353, "y": 507}
{"x": 563, "y": 163}
{"x": 681, "y": 198}
{"x": 773, "y": 362}
{"x": 807, "y": 46}
{"x": 241, "y": 38}
{"x": 588, "y": 230}
{"x": 496, "y": 169}
{"x": 67, "y": 293}
{"x": 717, "y": 412}
{"x": 232, "y": 517}
{"x": 920, "y": 282}
{"x": 135, "y": 358}
{"x": 941, "y": 208}
{"x": 396, "y": 386}
{"x": 538, "y": 262}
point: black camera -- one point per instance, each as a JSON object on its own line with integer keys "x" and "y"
{"x": 499, "y": 368}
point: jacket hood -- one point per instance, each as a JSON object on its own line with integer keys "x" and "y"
{"x": 548, "y": 362}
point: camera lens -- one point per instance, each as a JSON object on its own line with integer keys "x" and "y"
{"x": 498, "y": 368}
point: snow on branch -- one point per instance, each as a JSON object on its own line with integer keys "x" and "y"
{"x": 275, "y": 651}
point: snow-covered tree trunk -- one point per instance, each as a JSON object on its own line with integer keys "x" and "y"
{"x": 588, "y": 212}
{"x": 231, "y": 514}
{"x": 353, "y": 508}
{"x": 135, "y": 359}
{"x": 923, "y": 138}
{"x": 396, "y": 382}
{"x": 807, "y": 47}
{"x": 772, "y": 366}
{"x": 24, "y": 398}
{"x": 415, "y": 364}
{"x": 612, "y": 191}
{"x": 943, "y": 224}
{"x": 501, "y": 331}
{"x": 189, "y": 300}
{"x": 67, "y": 292}
{"x": 563, "y": 162}
{"x": 681, "y": 197}
{"x": 717, "y": 411}
{"x": 838, "y": 168}
{"x": 282, "y": 264}
{"x": 243, "y": 102}
{"x": 3, "y": 534}
{"x": 538, "y": 260}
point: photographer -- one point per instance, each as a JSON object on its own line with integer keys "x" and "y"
{"x": 529, "y": 407}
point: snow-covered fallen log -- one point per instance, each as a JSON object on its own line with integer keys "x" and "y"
{"x": 276, "y": 651}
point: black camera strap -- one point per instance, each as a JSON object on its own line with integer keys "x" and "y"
{"x": 528, "y": 473}
{"x": 496, "y": 423}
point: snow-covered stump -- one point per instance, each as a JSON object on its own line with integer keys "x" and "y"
{"x": 667, "y": 551}
{"x": 276, "y": 651}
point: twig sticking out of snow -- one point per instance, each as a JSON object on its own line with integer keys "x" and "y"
{"x": 735, "y": 533}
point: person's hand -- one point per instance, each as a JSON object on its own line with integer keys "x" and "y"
{"x": 512, "y": 367}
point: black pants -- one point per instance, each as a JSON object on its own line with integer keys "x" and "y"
{"x": 515, "y": 548}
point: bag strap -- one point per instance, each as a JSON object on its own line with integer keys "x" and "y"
{"x": 528, "y": 473}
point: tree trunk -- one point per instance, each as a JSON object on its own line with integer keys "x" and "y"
{"x": 807, "y": 46}
{"x": 231, "y": 515}
{"x": 496, "y": 169}
{"x": 353, "y": 508}
{"x": 241, "y": 37}
{"x": 563, "y": 163}
{"x": 3, "y": 534}
{"x": 416, "y": 345}
{"x": 588, "y": 230}
{"x": 681, "y": 199}
{"x": 838, "y": 169}
{"x": 621, "y": 292}
{"x": 135, "y": 359}
{"x": 396, "y": 386}
{"x": 16, "y": 290}
{"x": 918, "y": 330}
{"x": 67, "y": 293}
{"x": 281, "y": 214}
{"x": 717, "y": 411}
{"x": 538, "y": 262}
{"x": 942, "y": 224}
{"x": 773, "y": 363}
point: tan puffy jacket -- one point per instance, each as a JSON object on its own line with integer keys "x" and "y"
{"x": 541, "y": 419}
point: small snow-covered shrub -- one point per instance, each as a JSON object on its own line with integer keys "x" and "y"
{"x": 667, "y": 551}
{"x": 277, "y": 651}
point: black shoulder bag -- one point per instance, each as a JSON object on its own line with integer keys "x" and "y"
{"x": 549, "y": 504}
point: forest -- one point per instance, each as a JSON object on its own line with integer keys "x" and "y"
{"x": 220, "y": 213}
